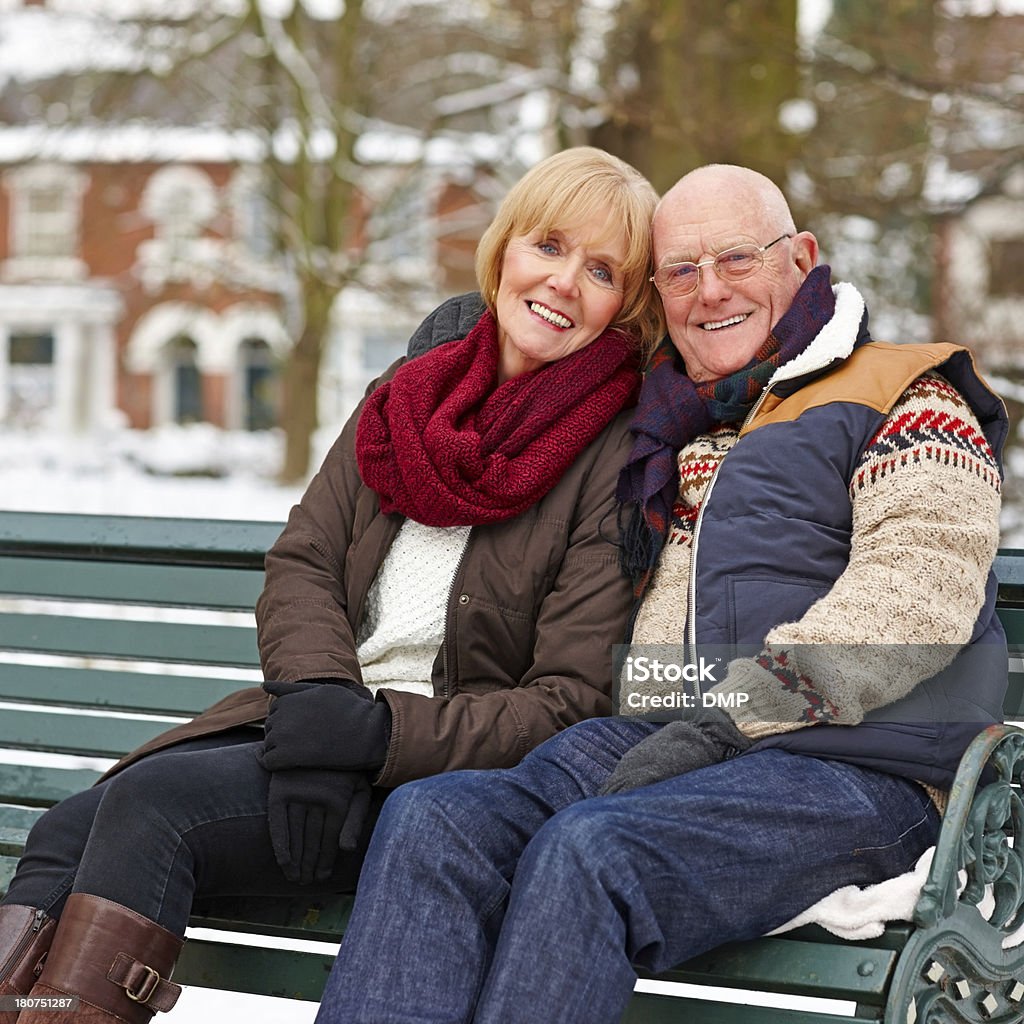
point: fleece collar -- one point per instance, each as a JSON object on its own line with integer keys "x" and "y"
{"x": 834, "y": 342}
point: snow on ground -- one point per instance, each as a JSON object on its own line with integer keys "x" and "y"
{"x": 191, "y": 471}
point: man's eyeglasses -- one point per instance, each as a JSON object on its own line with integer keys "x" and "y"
{"x": 730, "y": 265}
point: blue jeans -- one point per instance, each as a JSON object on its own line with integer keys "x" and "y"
{"x": 520, "y": 895}
{"x": 176, "y": 827}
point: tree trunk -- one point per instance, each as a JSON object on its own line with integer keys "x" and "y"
{"x": 703, "y": 82}
{"x": 300, "y": 377}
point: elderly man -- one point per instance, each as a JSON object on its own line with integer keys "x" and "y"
{"x": 793, "y": 485}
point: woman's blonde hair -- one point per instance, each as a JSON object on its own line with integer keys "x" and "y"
{"x": 567, "y": 188}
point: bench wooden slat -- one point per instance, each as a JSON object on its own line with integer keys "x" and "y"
{"x": 261, "y": 971}
{"x": 1013, "y": 703}
{"x": 128, "y": 583}
{"x": 780, "y": 964}
{"x": 113, "y": 690}
{"x": 92, "y": 735}
{"x": 1009, "y": 567}
{"x": 19, "y": 817}
{"x": 7, "y": 867}
{"x": 150, "y": 539}
{"x": 895, "y": 936}
{"x": 12, "y": 841}
{"x": 654, "y": 1008}
{"x": 39, "y": 786}
{"x": 175, "y": 642}
{"x": 291, "y": 917}
{"x": 1013, "y": 623}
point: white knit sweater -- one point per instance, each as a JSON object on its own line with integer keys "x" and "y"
{"x": 405, "y": 607}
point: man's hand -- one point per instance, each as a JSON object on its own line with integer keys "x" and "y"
{"x": 323, "y": 725}
{"x": 706, "y": 737}
{"x": 313, "y": 813}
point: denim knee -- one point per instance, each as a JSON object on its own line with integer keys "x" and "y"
{"x": 573, "y": 842}
{"x": 427, "y": 807}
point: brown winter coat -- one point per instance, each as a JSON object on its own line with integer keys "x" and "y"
{"x": 536, "y": 604}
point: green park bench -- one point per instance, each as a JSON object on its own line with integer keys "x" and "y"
{"x": 79, "y": 678}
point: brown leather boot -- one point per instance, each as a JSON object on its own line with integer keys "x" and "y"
{"x": 115, "y": 961}
{"x": 25, "y": 936}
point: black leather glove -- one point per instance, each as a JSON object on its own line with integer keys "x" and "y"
{"x": 313, "y": 813}
{"x": 706, "y": 736}
{"x": 322, "y": 725}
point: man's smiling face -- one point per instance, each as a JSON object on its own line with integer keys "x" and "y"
{"x": 721, "y": 325}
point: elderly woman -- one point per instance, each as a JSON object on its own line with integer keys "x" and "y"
{"x": 444, "y": 596}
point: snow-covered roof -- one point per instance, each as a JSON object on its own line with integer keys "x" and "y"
{"x": 39, "y": 42}
{"x": 158, "y": 143}
{"x": 134, "y": 143}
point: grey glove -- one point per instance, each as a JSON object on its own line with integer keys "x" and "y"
{"x": 705, "y": 737}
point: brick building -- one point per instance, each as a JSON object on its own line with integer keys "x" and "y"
{"x": 138, "y": 283}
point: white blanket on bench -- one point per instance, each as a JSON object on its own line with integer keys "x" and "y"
{"x": 855, "y": 913}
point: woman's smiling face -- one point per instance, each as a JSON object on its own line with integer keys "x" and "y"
{"x": 559, "y": 291}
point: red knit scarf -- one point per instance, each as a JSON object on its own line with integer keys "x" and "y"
{"x": 442, "y": 444}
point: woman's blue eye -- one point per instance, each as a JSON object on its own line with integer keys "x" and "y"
{"x": 547, "y": 247}
{"x": 603, "y": 274}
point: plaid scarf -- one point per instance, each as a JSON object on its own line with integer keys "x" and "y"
{"x": 673, "y": 410}
{"x": 443, "y": 443}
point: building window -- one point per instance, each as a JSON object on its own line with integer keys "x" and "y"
{"x": 186, "y": 385}
{"x": 30, "y": 378}
{"x": 1005, "y": 260}
{"x": 45, "y": 204}
{"x": 49, "y": 223}
{"x": 252, "y": 214}
{"x": 259, "y": 384}
{"x": 180, "y": 201}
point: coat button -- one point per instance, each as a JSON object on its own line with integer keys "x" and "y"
{"x": 464, "y": 599}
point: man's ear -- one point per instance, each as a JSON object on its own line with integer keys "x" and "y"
{"x": 805, "y": 251}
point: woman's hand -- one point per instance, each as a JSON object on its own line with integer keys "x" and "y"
{"x": 325, "y": 725}
{"x": 312, "y": 814}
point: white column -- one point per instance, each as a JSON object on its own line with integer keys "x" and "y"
{"x": 102, "y": 409}
{"x": 5, "y": 364}
{"x": 71, "y": 382}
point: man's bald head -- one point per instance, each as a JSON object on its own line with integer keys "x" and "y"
{"x": 719, "y": 326}
{"x": 738, "y": 187}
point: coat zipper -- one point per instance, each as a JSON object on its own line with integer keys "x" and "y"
{"x": 691, "y": 589}
{"x": 23, "y": 943}
{"x": 450, "y": 616}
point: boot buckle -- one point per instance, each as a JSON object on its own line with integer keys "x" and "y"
{"x": 146, "y": 988}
